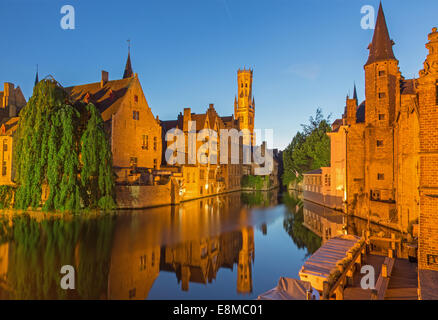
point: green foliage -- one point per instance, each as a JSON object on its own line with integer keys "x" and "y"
{"x": 51, "y": 135}
{"x": 96, "y": 176}
{"x": 257, "y": 198}
{"x": 309, "y": 149}
{"x": 255, "y": 182}
{"x": 6, "y": 196}
{"x": 293, "y": 225}
{"x": 42, "y": 247}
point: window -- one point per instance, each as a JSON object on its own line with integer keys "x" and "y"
{"x": 380, "y": 176}
{"x": 135, "y": 115}
{"x": 201, "y": 175}
{"x": 327, "y": 180}
{"x": 133, "y": 162}
{"x": 382, "y": 95}
{"x": 4, "y": 168}
{"x": 136, "y": 98}
{"x": 381, "y": 116}
{"x": 380, "y": 143}
{"x": 145, "y": 142}
{"x": 188, "y": 177}
{"x": 5, "y": 146}
{"x": 375, "y": 194}
{"x": 381, "y": 73}
{"x": 155, "y": 163}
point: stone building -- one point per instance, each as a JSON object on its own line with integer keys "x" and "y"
{"x": 11, "y": 102}
{"x": 205, "y": 178}
{"x": 134, "y": 132}
{"x": 385, "y": 150}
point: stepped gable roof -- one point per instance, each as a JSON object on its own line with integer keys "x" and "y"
{"x": 336, "y": 125}
{"x": 407, "y": 86}
{"x": 360, "y": 113}
{"x": 107, "y": 98}
{"x": 8, "y": 126}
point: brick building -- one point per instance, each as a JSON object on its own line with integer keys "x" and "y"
{"x": 384, "y": 151}
{"x": 134, "y": 132}
{"x": 205, "y": 178}
{"x": 11, "y": 102}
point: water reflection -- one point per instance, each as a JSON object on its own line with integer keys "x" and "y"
{"x": 207, "y": 247}
{"x": 294, "y": 224}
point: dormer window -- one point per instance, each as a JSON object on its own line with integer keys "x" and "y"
{"x": 87, "y": 98}
{"x": 111, "y": 94}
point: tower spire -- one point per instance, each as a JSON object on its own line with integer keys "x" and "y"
{"x": 128, "y": 68}
{"x": 355, "y": 92}
{"x": 36, "y": 76}
{"x": 381, "y": 46}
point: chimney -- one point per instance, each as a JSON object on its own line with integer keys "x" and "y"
{"x": 186, "y": 119}
{"x": 351, "y": 111}
{"x": 104, "y": 78}
{"x": 8, "y": 96}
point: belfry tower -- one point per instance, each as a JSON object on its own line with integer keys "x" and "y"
{"x": 244, "y": 104}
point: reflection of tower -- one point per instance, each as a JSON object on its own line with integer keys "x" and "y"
{"x": 246, "y": 257}
{"x": 4, "y": 261}
{"x": 244, "y": 104}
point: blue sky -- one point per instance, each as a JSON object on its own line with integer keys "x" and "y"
{"x": 305, "y": 54}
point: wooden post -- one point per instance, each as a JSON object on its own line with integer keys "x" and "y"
{"x": 390, "y": 253}
{"x": 340, "y": 292}
{"x": 325, "y": 290}
{"x": 308, "y": 295}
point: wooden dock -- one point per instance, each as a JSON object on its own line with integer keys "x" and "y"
{"x": 403, "y": 282}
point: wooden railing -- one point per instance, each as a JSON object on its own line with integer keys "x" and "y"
{"x": 336, "y": 290}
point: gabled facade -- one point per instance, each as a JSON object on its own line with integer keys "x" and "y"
{"x": 134, "y": 132}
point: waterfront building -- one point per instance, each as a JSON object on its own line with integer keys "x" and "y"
{"x": 11, "y": 102}
{"x": 133, "y": 130}
{"x": 384, "y": 151}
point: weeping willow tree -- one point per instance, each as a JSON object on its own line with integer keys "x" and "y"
{"x": 56, "y": 153}
{"x": 96, "y": 175}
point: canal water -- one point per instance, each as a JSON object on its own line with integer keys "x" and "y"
{"x": 234, "y": 246}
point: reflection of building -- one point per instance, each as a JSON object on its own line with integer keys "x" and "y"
{"x": 135, "y": 261}
{"x": 4, "y": 262}
{"x": 199, "y": 261}
{"x": 323, "y": 221}
{"x": 194, "y": 240}
{"x": 246, "y": 258}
